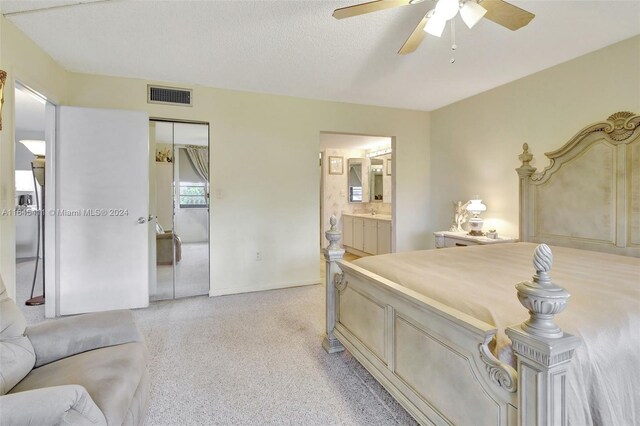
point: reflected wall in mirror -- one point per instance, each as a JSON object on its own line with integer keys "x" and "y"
{"x": 355, "y": 182}
{"x": 376, "y": 180}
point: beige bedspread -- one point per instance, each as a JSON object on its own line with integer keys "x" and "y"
{"x": 604, "y": 310}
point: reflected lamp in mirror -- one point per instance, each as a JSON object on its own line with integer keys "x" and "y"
{"x": 475, "y": 208}
{"x": 37, "y": 148}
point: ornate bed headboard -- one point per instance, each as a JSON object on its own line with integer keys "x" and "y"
{"x": 588, "y": 197}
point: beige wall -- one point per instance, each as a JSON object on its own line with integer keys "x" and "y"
{"x": 263, "y": 159}
{"x": 27, "y": 63}
{"x": 264, "y": 156}
{"x": 475, "y": 143}
{"x": 264, "y": 153}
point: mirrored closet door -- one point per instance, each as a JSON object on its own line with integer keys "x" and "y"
{"x": 179, "y": 203}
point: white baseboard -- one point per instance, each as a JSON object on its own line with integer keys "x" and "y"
{"x": 252, "y": 288}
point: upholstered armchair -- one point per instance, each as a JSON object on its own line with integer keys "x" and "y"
{"x": 164, "y": 248}
{"x": 82, "y": 370}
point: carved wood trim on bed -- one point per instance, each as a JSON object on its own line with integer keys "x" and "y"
{"x": 588, "y": 196}
{"x": 436, "y": 361}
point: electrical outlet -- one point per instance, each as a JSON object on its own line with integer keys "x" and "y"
{"x": 258, "y": 256}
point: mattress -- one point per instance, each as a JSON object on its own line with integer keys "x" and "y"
{"x": 604, "y": 310}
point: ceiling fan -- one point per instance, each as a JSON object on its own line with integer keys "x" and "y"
{"x": 471, "y": 12}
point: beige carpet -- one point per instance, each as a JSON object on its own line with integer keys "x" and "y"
{"x": 250, "y": 359}
{"x": 191, "y": 274}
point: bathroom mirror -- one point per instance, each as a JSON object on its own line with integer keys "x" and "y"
{"x": 355, "y": 180}
{"x": 376, "y": 180}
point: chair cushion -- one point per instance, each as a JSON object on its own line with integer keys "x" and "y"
{"x": 17, "y": 356}
{"x": 111, "y": 375}
{"x": 56, "y": 405}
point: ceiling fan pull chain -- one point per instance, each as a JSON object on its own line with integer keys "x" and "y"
{"x": 454, "y": 46}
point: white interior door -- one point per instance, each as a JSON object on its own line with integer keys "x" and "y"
{"x": 102, "y": 197}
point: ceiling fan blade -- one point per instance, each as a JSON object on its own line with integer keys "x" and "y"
{"x": 415, "y": 38}
{"x": 506, "y": 14}
{"x": 372, "y": 6}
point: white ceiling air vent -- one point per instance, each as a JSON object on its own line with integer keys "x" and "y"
{"x": 169, "y": 96}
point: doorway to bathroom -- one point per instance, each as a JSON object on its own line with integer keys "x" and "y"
{"x": 179, "y": 204}
{"x": 357, "y": 185}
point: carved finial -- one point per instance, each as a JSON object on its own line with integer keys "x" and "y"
{"x": 333, "y": 234}
{"x": 526, "y": 170}
{"x": 526, "y": 156}
{"x": 542, "y": 262}
{"x": 542, "y": 297}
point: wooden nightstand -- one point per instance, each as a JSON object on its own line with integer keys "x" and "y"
{"x": 462, "y": 239}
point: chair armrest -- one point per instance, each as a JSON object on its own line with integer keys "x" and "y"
{"x": 56, "y": 405}
{"x": 54, "y": 340}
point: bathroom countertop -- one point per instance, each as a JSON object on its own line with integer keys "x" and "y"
{"x": 369, "y": 216}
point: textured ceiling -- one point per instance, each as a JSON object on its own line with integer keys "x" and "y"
{"x": 296, "y": 48}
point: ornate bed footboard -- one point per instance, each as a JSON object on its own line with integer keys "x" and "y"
{"x": 436, "y": 361}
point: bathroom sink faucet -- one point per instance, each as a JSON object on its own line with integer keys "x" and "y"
{"x": 373, "y": 212}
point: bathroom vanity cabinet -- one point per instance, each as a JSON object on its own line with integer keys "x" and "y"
{"x": 364, "y": 235}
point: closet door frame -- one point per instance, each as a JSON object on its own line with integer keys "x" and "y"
{"x": 173, "y": 121}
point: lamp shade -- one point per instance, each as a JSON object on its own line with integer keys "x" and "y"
{"x": 37, "y": 148}
{"x": 38, "y": 166}
{"x": 471, "y": 13}
{"x": 475, "y": 206}
{"x": 447, "y": 9}
{"x": 435, "y": 25}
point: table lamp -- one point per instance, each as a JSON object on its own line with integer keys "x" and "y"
{"x": 475, "y": 207}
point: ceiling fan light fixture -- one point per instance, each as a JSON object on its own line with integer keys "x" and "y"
{"x": 434, "y": 22}
{"x": 471, "y": 13}
{"x": 447, "y": 9}
{"x": 435, "y": 25}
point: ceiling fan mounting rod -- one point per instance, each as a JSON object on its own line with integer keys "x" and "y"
{"x": 454, "y": 46}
